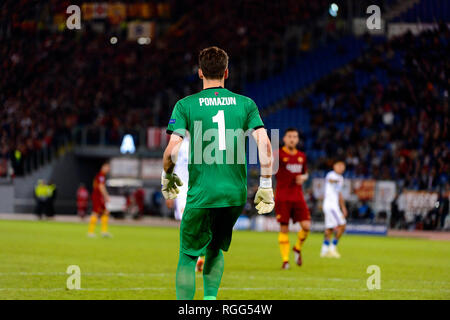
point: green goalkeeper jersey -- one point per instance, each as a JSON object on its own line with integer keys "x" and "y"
{"x": 218, "y": 121}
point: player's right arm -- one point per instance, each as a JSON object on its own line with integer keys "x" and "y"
{"x": 264, "y": 199}
{"x": 177, "y": 129}
{"x": 169, "y": 180}
{"x": 171, "y": 153}
{"x": 104, "y": 192}
{"x": 170, "y": 203}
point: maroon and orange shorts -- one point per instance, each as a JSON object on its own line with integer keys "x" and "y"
{"x": 297, "y": 210}
{"x": 98, "y": 206}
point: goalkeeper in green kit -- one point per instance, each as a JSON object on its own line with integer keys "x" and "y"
{"x": 217, "y": 120}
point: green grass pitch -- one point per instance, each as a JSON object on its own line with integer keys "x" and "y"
{"x": 140, "y": 263}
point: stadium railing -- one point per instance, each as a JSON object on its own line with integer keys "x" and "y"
{"x": 24, "y": 164}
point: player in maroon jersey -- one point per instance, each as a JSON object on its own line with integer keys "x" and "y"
{"x": 289, "y": 200}
{"x": 82, "y": 200}
{"x": 100, "y": 197}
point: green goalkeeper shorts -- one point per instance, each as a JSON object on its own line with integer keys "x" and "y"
{"x": 203, "y": 228}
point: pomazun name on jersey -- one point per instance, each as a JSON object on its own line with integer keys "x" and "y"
{"x": 218, "y": 101}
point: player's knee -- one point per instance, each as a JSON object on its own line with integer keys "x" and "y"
{"x": 284, "y": 228}
{"x": 306, "y": 225}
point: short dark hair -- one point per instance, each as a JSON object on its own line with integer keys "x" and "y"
{"x": 291, "y": 129}
{"x": 213, "y": 61}
{"x": 337, "y": 160}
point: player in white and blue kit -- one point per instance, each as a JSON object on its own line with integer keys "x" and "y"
{"x": 181, "y": 169}
{"x": 334, "y": 210}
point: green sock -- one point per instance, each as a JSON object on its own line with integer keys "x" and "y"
{"x": 185, "y": 281}
{"x": 212, "y": 273}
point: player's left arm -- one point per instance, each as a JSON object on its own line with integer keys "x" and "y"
{"x": 342, "y": 205}
{"x": 300, "y": 179}
{"x": 264, "y": 199}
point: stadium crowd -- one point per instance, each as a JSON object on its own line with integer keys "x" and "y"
{"x": 389, "y": 116}
{"x": 54, "y": 81}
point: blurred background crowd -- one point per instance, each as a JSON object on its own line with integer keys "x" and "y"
{"x": 395, "y": 125}
{"x": 379, "y": 102}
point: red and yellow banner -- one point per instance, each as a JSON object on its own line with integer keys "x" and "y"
{"x": 117, "y": 12}
{"x": 364, "y": 189}
{"x": 87, "y": 11}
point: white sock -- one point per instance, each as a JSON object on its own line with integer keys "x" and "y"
{"x": 324, "y": 248}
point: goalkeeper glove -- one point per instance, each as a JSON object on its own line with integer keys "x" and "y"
{"x": 264, "y": 196}
{"x": 169, "y": 185}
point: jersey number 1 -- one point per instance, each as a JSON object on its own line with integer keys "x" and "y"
{"x": 219, "y": 118}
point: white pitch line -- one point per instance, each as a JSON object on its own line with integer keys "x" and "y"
{"x": 272, "y": 277}
{"x": 228, "y": 289}
{"x": 307, "y": 278}
{"x": 438, "y": 282}
{"x": 94, "y": 274}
